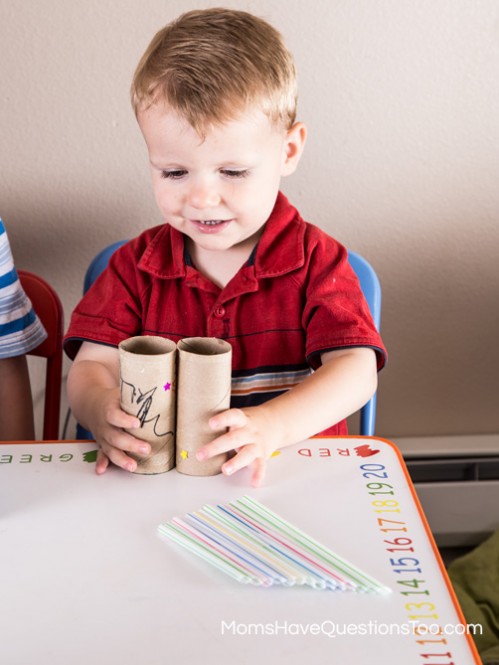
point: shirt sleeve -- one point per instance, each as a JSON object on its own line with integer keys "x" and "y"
{"x": 111, "y": 310}
{"x": 336, "y": 314}
{"x": 21, "y": 330}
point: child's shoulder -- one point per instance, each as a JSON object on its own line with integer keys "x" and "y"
{"x": 318, "y": 242}
{"x": 4, "y": 239}
{"x": 291, "y": 242}
{"x": 315, "y": 235}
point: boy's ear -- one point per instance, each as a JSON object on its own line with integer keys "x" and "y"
{"x": 293, "y": 147}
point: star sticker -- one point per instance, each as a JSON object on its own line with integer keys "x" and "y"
{"x": 184, "y": 454}
{"x": 167, "y": 386}
{"x": 275, "y": 453}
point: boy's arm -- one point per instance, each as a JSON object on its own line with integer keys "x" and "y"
{"x": 16, "y": 423}
{"x": 94, "y": 397}
{"x": 346, "y": 380}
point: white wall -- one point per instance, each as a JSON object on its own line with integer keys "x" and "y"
{"x": 402, "y": 102}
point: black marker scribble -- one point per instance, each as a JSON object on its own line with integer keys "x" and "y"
{"x": 144, "y": 400}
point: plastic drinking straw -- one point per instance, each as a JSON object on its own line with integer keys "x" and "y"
{"x": 317, "y": 574}
{"x": 224, "y": 553}
{"x": 254, "y": 545}
{"x": 286, "y": 574}
{"x": 251, "y": 555}
{"x": 357, "y": 576}
{"x": 303, "y": 573}
{"x": 262, "y": 514}
{"x": 190, "y": 544}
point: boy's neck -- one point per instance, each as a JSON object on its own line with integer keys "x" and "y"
{"x": 220, "y": 266}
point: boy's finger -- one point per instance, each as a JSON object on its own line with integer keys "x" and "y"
{"x": 118, "y": 457}
{"x": 223, "y": 444}
{"x": 230, "y": 418}
{"x": 119, "y": 418}
{"x": 244, "y": 457}
{"x": 120, "y": 440}
{"x": 259, "y": 468}
{"x": 102, "y": 463}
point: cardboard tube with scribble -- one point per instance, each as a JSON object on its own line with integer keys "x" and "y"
{"x": 204, "y": 383}
{"x": 148, "y": 387}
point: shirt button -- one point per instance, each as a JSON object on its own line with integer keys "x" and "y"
{"x": 219, "y": 312}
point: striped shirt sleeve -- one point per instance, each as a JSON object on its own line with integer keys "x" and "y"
{"x": 20, "y": 329}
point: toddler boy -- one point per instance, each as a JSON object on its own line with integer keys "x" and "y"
{"x": 215, "y": 99}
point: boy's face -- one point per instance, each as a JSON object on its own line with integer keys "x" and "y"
{"x": 219, "y": 191}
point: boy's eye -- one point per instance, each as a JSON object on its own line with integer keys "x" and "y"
{"x": 235, "y": 173}
{"x": 175, "y": 174}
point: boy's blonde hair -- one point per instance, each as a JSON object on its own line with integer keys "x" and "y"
{"x": 211, "y": 65}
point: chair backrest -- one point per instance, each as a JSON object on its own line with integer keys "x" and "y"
{"x": 98, "y": 263}
{"x": 47, "y": 305}
{"x": 371, "y": 288}
{"x": 369, "y": 284}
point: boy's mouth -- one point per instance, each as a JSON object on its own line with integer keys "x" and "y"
{"x": 210, "y": 225}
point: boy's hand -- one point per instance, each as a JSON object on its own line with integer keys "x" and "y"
{"x": 108, "y": 430}
{"x": 251, "y": 433}
{"x": 94, "y": 396}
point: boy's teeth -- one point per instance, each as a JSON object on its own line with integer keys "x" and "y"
{"x": 210, "y": 222}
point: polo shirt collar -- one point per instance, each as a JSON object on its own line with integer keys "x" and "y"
{"x": 279, "y": 251}
{"x": 164, "y": 254}
{"x": 280, "y": 248}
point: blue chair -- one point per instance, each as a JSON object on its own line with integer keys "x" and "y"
{"x": 99, "y": 263}
{"x": 371, "y": 288}
{"x": 369, "y": 284}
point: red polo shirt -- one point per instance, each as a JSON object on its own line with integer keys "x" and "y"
{"x": 295, "y": 298}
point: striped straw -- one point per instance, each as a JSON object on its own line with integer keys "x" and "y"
{"x": 228, "y": 567}
{"x": 264, "y": 515}
{"x": 316, "y": 573}
{"x": 233, "y": 546}
{"x": 302, "y": 570}
{"x": 254, "y": 545}
{"x": 292, "y": 575}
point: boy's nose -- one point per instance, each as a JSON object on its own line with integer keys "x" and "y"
{"x": 202, "y": 195}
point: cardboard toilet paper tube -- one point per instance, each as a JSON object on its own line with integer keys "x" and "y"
{"x": 204, "y": 385}
{"x": 148, "y": 387}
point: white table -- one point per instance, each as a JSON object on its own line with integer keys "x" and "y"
{"x": 85, "y": 579}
